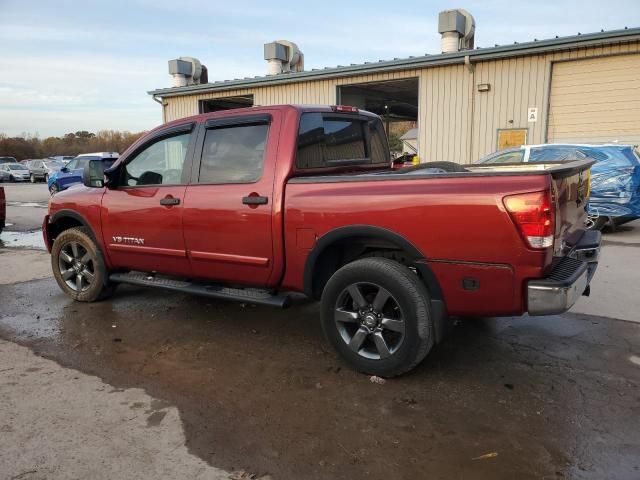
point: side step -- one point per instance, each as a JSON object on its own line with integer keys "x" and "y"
{"x": 246, "y": 295}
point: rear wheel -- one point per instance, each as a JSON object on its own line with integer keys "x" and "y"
{"x": 78, "y": 266}
{"x": 376, "y": 314}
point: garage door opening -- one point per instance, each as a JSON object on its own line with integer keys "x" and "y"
{"x": 226, "y": 103}
{"x": 396, "y": 101}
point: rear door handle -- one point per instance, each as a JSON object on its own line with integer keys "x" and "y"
{"x": 255, "y": 200}
{"x": 170, "y": 201}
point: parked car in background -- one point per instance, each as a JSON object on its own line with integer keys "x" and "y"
{"x": 71, "y": 173}
{"x": 4, "y": 174}
{"x": 62, "y": 158}
{"x": 615, "y": 177}
{"x": 41, "y": 169}
{"x": 16, "y": 172}
{"x": 8, "y": 160}
{"x": 3, "y": 209}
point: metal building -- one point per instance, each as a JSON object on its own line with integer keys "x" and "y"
{"x": 467, "y": 102}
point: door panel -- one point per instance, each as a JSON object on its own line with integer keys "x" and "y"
{"x": 228, "y": 224}
{"x": 141, "y": 234}
{"x": 142, "y": 216}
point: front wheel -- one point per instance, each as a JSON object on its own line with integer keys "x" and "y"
{"x": 376, "y": 314}
{"x": 78, "y": 266}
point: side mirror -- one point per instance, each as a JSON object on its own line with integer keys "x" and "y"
{"x": 64, "y": 169}
{"x": 93, "y": 174}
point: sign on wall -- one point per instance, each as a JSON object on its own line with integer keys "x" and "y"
{"x": 532, "y": 114}
{"x": 511, "y": 137}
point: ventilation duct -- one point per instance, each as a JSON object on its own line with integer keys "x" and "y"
{"x": 283, "y": 56}
{"x": 187, "y": 71}
{"x": 457, "y": 28}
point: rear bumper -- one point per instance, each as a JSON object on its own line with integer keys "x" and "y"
{"x": 568, "y": 280}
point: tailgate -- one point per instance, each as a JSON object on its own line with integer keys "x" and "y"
{"x": 570, "y": 184}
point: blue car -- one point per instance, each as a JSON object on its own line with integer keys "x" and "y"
{"x": 71, "y": 173}
{"x": 615, "y": 177}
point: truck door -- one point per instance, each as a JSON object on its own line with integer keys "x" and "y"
{"x": 229, "y": 204}
{"x": 142, "y": 215}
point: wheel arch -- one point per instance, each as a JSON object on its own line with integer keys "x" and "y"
{"x": 64, "y": 220}
{"x": 353, "y": 242}
{"x": 345, "y": 244}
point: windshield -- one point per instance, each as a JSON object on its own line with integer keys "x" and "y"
{"x": 54, "y": 164}
{"x": 17, "y": 166}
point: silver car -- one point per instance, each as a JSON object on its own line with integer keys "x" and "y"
{"x": 41, "y": 169}
{"x": 16, "y": 172}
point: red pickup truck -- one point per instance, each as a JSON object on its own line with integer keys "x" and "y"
{"x": 250, "y": 204}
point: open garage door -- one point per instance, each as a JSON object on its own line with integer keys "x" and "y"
{"x": 396, "y": 101}
{"x": 226, "y": 103}
{"x": 595, "y": 100}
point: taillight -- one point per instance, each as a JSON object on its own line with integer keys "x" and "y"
{"x": 534, "y": 216}
{"x": 344, "y": 108}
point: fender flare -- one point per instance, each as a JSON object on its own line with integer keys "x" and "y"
{"x": 342, "y": 233}
{"x": 65, "y": 213}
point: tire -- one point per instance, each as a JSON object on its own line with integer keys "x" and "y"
{"x": 598, "y": 223}
{"x": 53, "y": 189}
{"x": 76, "y": 254}
{"x": 403, "y": 320}
{"x": 46, "y": 178}
{"x": 11, "y": 178}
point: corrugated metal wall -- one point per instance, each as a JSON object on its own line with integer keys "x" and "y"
{"x": 456, "y": 122}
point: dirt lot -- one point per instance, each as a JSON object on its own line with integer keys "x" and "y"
{"x": 249, "y": 388}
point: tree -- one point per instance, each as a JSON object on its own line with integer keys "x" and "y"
{"x": 30, "y": 146}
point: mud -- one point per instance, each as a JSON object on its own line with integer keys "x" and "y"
{"x": 258, "y": 389}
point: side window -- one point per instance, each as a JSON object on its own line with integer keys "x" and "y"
{"x": 161, "y": 163}
{"x": 509, "y": 157}
{"x": 72, "y": 164}
{"x": 332, "y": 140}
{"x": 233, "y": 154}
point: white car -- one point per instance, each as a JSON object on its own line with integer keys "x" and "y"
{"x": 14, "y": 172}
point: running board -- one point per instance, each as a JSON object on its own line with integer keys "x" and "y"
{"x": 245, "y": 295}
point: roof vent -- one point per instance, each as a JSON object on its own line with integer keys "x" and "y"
{"x": 457, "y": 28}
{"x": 187, "y": 71}
{"x": 283, "y": 56}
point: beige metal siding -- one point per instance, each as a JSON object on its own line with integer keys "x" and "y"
{"x": 456, "y": 122}
{"x": 596, "y": 100}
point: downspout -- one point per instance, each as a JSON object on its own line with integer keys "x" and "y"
{"x": 163, "y": 104}
{"x": 472, "y": 70}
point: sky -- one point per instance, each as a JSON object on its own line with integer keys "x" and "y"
{"x": 86, "y": 65}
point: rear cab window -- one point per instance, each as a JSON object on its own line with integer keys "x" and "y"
{"x": 330, "y": 140}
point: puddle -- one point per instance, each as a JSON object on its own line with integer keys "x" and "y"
{"x": 28, "y": 204}
{"x": 22, "y": 239}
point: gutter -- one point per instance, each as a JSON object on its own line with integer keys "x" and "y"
{"x": 471, "y": 56}
{"x": 162, "y": 104}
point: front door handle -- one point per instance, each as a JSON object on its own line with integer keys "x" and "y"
{"x": 168, "y": 201}
{"x": 255, "y": 200}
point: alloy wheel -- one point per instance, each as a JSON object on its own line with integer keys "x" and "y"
{"x": 77, "y": 266}
{"x": 369, "y": 320}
